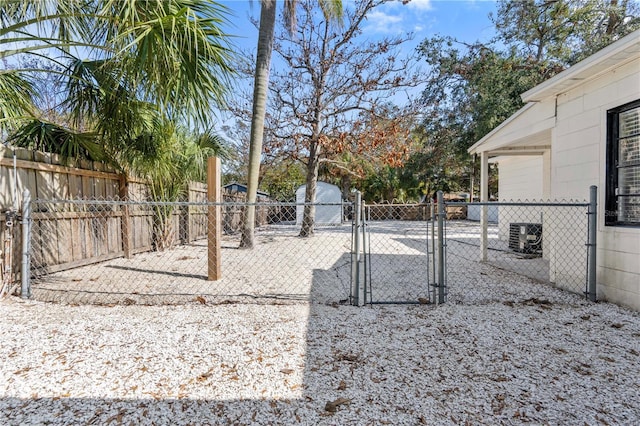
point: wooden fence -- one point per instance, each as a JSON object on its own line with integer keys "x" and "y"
{"x": 397, "y": 212}
{"x": 67, "y": 234}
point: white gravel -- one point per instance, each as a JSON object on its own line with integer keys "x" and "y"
{"x": 497, "y": 363}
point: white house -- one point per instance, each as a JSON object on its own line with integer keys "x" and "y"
{"x": 329, "y": 204}
{"x": 577, "y": 129}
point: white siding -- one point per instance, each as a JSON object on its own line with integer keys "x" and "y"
{"x": 521, "y": 179}
{"x": 578, "y": 161}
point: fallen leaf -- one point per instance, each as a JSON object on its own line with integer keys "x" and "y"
{"x": 348, "y": 357}
{"x": 332, "y": 406}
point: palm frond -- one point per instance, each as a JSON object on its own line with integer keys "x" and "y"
{"x": 49, "y": 137}
{"x": 177, "y": 55}
{"x": 213, "y": 144}
{"x": 83, "y": 93}
{"x": 16, "y": 98}
{"x": 46, "y": 24}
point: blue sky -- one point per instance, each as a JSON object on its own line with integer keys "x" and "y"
{"x": 465, "y": 20}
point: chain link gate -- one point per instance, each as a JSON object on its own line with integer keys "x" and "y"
{"x": 438, "y": 253}
{"x": 393, "y": 254}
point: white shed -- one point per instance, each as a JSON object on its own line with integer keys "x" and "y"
{"x": 581, "y": 128}
{"x": 329, "y": 198}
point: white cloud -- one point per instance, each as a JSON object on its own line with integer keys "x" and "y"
{"x": 381, "y": 22}
{"x": 399, "y": 16}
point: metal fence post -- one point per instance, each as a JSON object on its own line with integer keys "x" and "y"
{"x": 355, "y": 255}
{"x": 365, "y": 285}
{"x": 441, "y": 265}
{"x": 432, "y": 218}
{"x": 591, "y": 243}
{"x": 25, "y": 272}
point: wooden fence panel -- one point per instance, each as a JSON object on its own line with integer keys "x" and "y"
{"x": 67, "y": 235}
{"x": 77, "y": 240}
{"x": 197, "y": 223}
{"x": 65, "y": 243}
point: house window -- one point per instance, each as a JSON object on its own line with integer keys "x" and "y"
{"x": 623, "y": 165}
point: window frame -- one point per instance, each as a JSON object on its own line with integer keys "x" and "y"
{"x": 612, "y": 175}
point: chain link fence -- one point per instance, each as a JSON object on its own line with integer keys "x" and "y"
{"x": 10, "y": 252}
{"x": 130, "y": 252}
{"x": 117, "y": 252}
{"x": 528, "y": 251}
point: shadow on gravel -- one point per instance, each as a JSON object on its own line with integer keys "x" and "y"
{"x": 349, "y": 365}
{"x": 325, "y": 385}
{"x": 345, "y": 365}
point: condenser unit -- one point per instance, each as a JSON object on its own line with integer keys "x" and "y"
{"x": 525, "y": 237}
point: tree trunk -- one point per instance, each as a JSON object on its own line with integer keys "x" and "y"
{"x": 260, "y": 90}
{"x": 345, "y": 186}
{"x": 309, "y": 216}
{"x": 613, "y": 18}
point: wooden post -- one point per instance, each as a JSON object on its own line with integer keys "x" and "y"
{"x": 123, "y": 193}
{"x": 214, "y": 223}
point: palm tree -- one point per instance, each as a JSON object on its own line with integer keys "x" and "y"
{"x": 172, "y": 55}
{"x": 169, "y": 157}
{"x": 332, "y": 9}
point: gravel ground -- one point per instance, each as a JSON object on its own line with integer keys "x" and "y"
{"x": 522, "y": 361}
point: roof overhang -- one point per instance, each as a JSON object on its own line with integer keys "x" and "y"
{"x": 527, "y": 132}
{"x": 521, "y": 150}
{"x": 615, "y": 55}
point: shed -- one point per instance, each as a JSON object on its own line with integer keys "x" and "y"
{"x": 329, "y": 204}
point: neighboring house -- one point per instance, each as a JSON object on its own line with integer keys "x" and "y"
{"x": 577, "y": 129}
{"x": 238, "y": 188}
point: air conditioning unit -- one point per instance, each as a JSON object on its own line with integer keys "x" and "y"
{"x": 525, "y": 237}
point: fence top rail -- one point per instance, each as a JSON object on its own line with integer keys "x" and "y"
{"x": 396, "y": 204}
{"x": 520, "y": 203}
{"x": 183, "y": 203}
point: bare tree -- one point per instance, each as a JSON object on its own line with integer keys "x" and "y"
{"x": 266, "y": 30}
{"x": 334, "y": 75}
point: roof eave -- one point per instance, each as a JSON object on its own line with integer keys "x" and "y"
{"x": 583, "y": 70}
{"x": 473, "y": 148}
